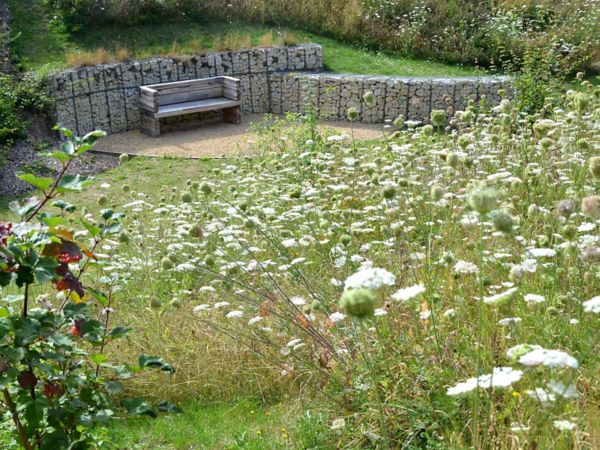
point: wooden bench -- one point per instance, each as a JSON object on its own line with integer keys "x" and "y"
{"x": 187, "y": 97}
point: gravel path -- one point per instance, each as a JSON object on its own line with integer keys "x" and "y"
{"x": 209, "y": 139}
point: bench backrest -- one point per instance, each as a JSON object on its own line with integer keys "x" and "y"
{"x": 156, "y": 95}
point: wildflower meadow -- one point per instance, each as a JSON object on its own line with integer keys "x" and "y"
{"x": 435, "y": 288}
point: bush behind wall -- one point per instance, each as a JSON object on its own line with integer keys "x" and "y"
{"x": 485, "y": 32}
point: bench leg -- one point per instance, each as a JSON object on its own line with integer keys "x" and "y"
{"x": 149, "y": 125}
{"x": 232, "y": 115}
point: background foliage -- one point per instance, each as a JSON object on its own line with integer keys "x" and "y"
{"x": 476, "y": 32}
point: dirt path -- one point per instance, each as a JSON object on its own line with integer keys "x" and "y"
{"x": 211, "y": 139}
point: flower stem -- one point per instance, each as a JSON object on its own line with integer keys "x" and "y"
{"x": 375, "y": 381}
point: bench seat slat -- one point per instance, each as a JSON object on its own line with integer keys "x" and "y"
{"x": 196, "y": 106}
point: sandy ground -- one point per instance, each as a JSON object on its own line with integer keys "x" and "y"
{"x": 210, "y": 139}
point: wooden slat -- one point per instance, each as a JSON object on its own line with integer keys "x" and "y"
{"x": 188, "y": 83}
{"x": 189, "y": 96}
{"x": 149, "y": 106}
{"x": 233, "y": 94}
{"x": 197, "y": 106}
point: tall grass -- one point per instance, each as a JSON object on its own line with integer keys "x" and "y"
{"x": 486, "y": 32}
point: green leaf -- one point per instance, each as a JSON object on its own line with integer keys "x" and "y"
{"x": 92, "y": 229}
{"x": 168, "y": 407}
{"x": 4, "y": 312}
{"x": 119, "y": 332}
{"x": 138, "y": 406}
{"x": 73, "y": 183}
{"x": 114, "y": 387}
{"x": 75, "y": 310}
{"x": 60, "y": 340}
{"x": 103, "y": 416}
{"x": 60, "y": 156}
{"x": 150, "y": 361}
{"x": 98, "y": 358}
{"x": 5, "y": 278}
{"x": 53, "y": 221}
{"x": 93, "y": 136}
{"x": 55, "y": 440}
{"x": 42, "y": 183}
{"x": 24, "y": 276}
{"x": 13, "y": 354}
{"x": 25, "y": 207}
{"x": 92, "y": 331}
{"x": 99, "y": 296}
{"x": 45, "y": 269}
{"x": 34, "y": 411}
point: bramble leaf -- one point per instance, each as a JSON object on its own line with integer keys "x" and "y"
{"x": 42, "y": 183}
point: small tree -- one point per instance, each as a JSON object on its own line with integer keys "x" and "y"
{"x": 55, "y": 378}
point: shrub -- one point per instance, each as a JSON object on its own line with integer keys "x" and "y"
{"x": 56, "y": 380}
{"x": 11, "y": 125}
{"x": 27, "y": 94}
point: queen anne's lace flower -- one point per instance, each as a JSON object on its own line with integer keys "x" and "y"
{"x": 549, "y": 358}
{"x": 500, "y": 377}
{"x": 370, "y": 278}
{"x": 592, "y": 305}
{"x": 408, "y": 293}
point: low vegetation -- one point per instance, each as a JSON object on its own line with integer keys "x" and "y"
{"x": 486, "y": 32}
{"x": 43, "y": 43}
{"x": 437, "y": 288}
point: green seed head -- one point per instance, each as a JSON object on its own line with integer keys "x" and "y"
{"x": 483, "y": 199}
{"x": 358, "y": 303}
{"x": 345, "y": 239}
{"x": 388, "y": 192}
{"x": 438, "y": 118}
{"x": 166, "y": 263}
{"x": 102, "y": 200}
{"x": 503, "y": 221}
{"x": 369, "y": 98}
{"x": 452, "y": 160}
{"x": 594, "y": 167}
{"x": 206, "y": 188}
{"x": 569, "y": 232}
{"x": 196, "y": 231}
{"x": 352, "y": 114}
{"x": 186, "y": 197}
{"x": 155, "y": 303}
{"x": 436, "y": 192}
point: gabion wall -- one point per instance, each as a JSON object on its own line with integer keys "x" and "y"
{"x": 104, "y": 97}
{"x": 331, "y": 95}
{"x": 275, "y": 80}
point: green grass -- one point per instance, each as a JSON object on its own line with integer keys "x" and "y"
{"x": 246, "y": 425}
{"x": 140, "y": 171}
{"x": 42, "y": 44}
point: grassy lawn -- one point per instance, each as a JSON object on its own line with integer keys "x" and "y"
{"x": 140, "y": 171}
{"x": 244, "y": 425}
{"x": 43, "y": 45}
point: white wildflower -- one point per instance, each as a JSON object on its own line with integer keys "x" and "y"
{"x": 371, "y": 278}
{"x": 408, "y": 293}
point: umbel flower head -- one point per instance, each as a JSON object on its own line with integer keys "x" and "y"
{"x": 369, "y": 98}
{"x": 352, "y": 114}
{"x": 594, "y": 167}
{"x": 358, "y": 303}
{"x": 483, "y": 199}
{"x": 438, "y": 118}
